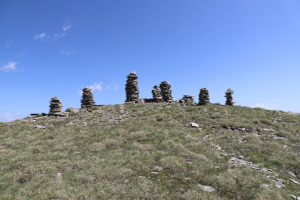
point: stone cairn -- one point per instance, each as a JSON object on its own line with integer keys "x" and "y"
{"x": 55, "y": 107}
{"x": 87, "y": 100}
{"x": 204, "y": 96}
{"x": 166, "y": 91}
{"x": 156, "y": 93}
{"x": 187, "y": 99}
{"x": 229, "y": 98}
{"x": 132, "y": 89}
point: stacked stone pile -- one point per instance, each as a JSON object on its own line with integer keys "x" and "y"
{"x": 55, "y": 107}
{"x": 204, "y": 96}
{"x": 156, "y": 93}
{"x": 166, "y": 91}
{"x": 188, "y": 99}
{"x": 87, "y": 100}
{"x": 229, "y": 99}
{"x": 132, "y": 89}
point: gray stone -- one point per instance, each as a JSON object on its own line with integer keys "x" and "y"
{"x": 206, "y": 188}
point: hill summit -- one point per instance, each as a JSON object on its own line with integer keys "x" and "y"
{"x": 152, "y": 151}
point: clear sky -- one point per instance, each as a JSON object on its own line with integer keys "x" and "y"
{"x": 57, "y": 47}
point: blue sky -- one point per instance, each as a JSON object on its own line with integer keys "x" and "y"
{"x": 57, "y": 47}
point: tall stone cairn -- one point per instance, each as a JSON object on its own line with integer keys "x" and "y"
{"x": 132, "y": 89}
{"x": 55, "y": 106}
{"x": 156, "y": 93}
{"x": 204, "y": 96}
{"x": 229, "y": 99}
{"x": 87, "y": 99}
{"x": 166, "y": 91}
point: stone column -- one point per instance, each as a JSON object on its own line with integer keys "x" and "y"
{"x": 55, "y": 106}
{"x": 132, "y": 89}
{"x": 229, "y": 99}
{"x": 156, "y": 93}
{"x": 87, "y": 99}
{"x": 204, "y": 97}
{"x": 166, "y": 91}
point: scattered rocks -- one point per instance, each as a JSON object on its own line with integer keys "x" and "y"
{"x": 166, "y": 91}
{"x": 132, "y": 89}
{"x": 206, "y": 188}
{"x": 204, "y": 97}
{"x": 229, "y": 98}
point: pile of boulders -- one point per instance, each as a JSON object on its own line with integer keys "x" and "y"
{"x": 204, "y": 97}
{"x": 55, "y": 107}
{"x": 156, "y": 93}
{"x": 166, "y": 91}
{"x": 87, "y": 100}
{"x": 132, "y": 89}
{"x": 229, "y": 99}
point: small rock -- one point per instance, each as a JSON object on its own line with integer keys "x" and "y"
{"x": 292, "y": 174}
{"x": 59, "y": 175}
{"x": 193, "y": 125}
{"x": 126, "y": 181}
{"x": 188, "y": 178}
{"x": 269, "y": 130}
{"x": 159, "y": 119}
{"x": 142, "y": 177}
{"x": 295, "y": 197}
{"x": 153, "y": 172}
{"x": 206, "y": 188}
{"x": 159, "y": 168}
{"x": 38, "y": 126}
{"x": 279, "y": 138}
{"x": 294, "y": 181}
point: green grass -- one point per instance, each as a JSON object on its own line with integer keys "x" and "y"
{"x": 112, "y": 152}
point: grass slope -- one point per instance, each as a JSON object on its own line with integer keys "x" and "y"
{"x": 124, "y": 152}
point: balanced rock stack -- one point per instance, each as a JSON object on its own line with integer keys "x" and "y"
{"x": 188, "y": 99}
{"x": 166, "y": 91}
{"x": 204, "y": 96}
{"x": 55, "y": 107}
{"x": 156, "y": 93}
{"x": 229, "y": 98}
{"x": 132, "y": 89}
{"x": 87, "y": 100}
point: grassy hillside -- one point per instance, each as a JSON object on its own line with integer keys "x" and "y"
{"x": 150, "y": 152}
